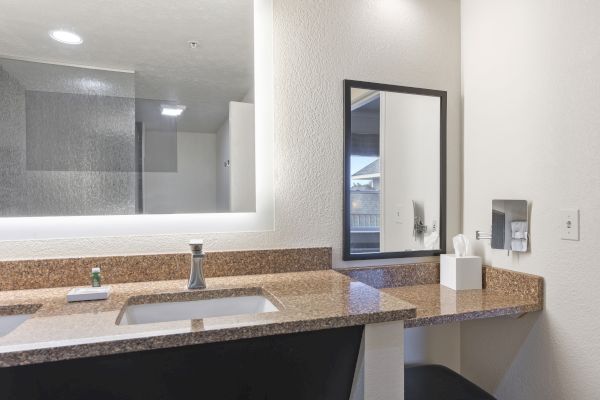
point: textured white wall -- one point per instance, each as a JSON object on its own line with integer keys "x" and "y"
{"x": 531, "y": 118}
{"x": 437, "y": 344}
{"x": 317, "y": 44}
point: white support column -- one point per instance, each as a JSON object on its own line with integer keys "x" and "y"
{"x": 380, "y": 366}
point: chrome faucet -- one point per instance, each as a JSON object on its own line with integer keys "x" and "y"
{"x": 196, "y": 273}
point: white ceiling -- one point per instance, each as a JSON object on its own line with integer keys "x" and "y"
{"x": 149, "y": 37}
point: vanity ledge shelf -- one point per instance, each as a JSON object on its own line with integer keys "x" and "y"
{"x": 504, "y": 293}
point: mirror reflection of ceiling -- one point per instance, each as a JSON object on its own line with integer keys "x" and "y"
{"x": 358, "y": 94}
{"x": 151, "y": 39}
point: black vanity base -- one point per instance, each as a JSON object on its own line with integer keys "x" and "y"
{"x": 310, "y": 365}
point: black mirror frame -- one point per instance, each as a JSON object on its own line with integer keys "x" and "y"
{"x": 348, "y": 85}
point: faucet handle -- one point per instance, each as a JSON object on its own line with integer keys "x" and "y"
{"x": 196, "y": 245}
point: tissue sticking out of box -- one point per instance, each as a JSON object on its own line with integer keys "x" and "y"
{"x": 461, "y": 245}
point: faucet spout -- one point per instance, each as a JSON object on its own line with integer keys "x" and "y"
{"x": 196, "y": 280}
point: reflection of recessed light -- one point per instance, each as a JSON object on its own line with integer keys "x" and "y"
{"x": 172, "y": 111}
{"x": 66, "y": 37}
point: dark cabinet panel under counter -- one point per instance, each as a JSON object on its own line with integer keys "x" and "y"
{"x": 307, "y": 365}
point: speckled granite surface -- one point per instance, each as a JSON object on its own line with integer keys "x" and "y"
{"x": 505, "y": 292}
{"x": 308, "y": 301}
{"x": 36, "y": 274}
{"x": 512, "y": 283}
{"x": 396, "y": 275}
{"x": 437, "y": 304}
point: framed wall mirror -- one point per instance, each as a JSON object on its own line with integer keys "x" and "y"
{"x": 142, "y": 108}
{"x": 394, "y": 171}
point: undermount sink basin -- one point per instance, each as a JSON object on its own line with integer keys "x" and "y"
{"x": 194, "y": 305}
{"x": 13, "y": 316}
{"x": 9, "y": 323}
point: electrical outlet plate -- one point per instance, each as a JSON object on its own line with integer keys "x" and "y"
{"x": 569, "y": 224}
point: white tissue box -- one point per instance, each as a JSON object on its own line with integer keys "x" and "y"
{"x": 460, "y": 273}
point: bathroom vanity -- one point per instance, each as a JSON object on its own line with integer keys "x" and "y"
{"x": 314, "y": 325}
{"x": 304, "y": 301}
{"x": 504, "y": 293}
{"x": 340, "y": 331}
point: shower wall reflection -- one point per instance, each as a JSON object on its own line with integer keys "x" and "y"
{"x": 77, "y": 141}
{"x": 154, "y": 115}
{"x": 67, "y": 140}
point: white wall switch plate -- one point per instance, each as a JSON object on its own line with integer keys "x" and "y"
{"x": 569, "y": 224}
{"x": 398, "y": 214}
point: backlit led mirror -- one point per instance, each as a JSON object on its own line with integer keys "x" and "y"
{"x": 136, "y": 108}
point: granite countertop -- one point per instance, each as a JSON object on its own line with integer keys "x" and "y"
{"x": 504, "y": 293}
{"x": 311, "y": 300}
{"x": 437, "y": 304}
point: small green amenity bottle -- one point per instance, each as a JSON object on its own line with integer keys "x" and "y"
{"x": 96, "y": 277}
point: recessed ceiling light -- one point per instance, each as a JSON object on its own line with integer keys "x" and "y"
{"x": 65, "y": 37}
{"x": 172, "y": 110}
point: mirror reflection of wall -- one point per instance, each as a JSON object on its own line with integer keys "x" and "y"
{"x": 158, "y": 126}
{"x": 411, "y": 173}
{"x": 394, "y": 183}
{"x": 365, "y": 194}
